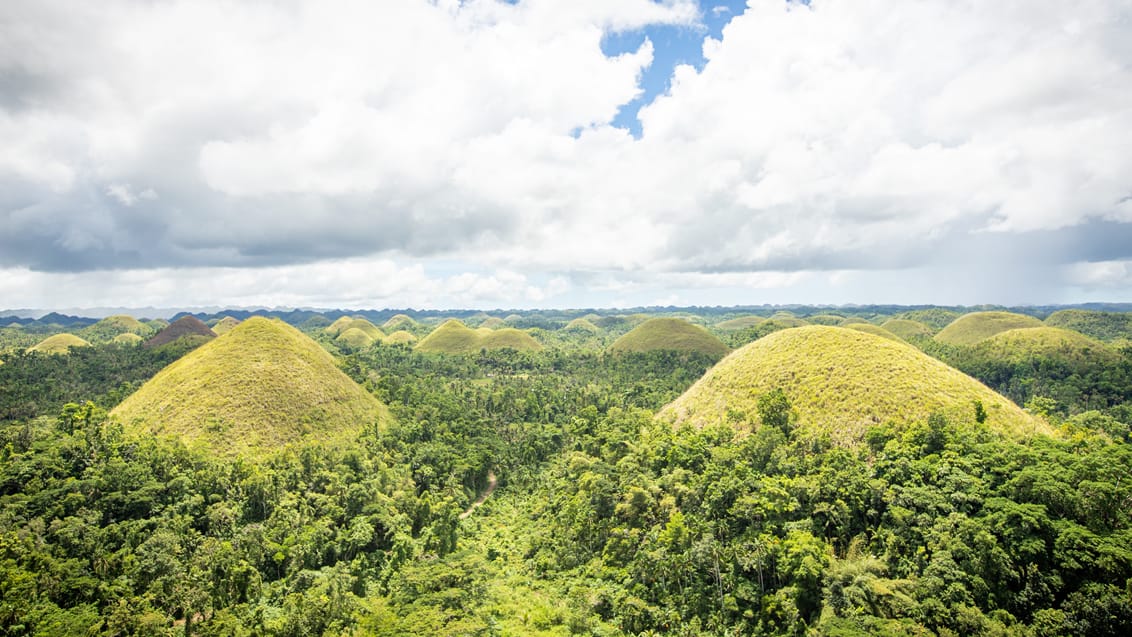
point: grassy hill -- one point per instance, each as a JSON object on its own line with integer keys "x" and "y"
{"x": 225, "y": 325}
{"x": 825, "y": 319}
{"x": 739, "y": 323}
{"x": 935, "y": 318}
{"x": 186, "y": 327}
{"x": 339, "y": 325}
{"x": 128, "y": 339}
{"x": 105, "y": 330}
{"x": 399, "y": 337}
{"x": 493, "y": 323}
{"x": 354, "y": 338}
{"x": 261, "y": 386}
{"x": 59, "y": 344}
{"x": 976, "y": 326}
{"x": 1030, "y": 343}
{"x": 399, "y": 322}
{"x": 841, "y": 382}
{"x": 875, "y": 330}
{"x": 669, "y": 334}
{"x": 1104, "y": 326}
{"x": 581, "y": 325}
{"x": 453, "y": 337}
{"x": 908, "y": 329}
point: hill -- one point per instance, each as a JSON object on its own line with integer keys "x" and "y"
{"x": 350, "y": 323}
{"x": 225, "y": 325}
{"x": 908, "y": 329}
{"x": 935, "y": 318}
{"x": 493, "y": 323}
{"x": 1104, "y": 326}
{"x": 453, "y": 337}
{"x": 128, "y": 339}
{"x": 398, "y": 322}
{"x": 1030, "y": 343}
{"x": 974, "y": 327}
{"x": 842, "y": 381}
{"x": 105, "y": 330}
{"x": 669, "y": 334}
{"x": 825, "y": 319}
{"x": 869, "y": 328}
{"x": 339, "y": 325}
{"x": 739, "y": 323}
{"x": 581, "y": 325}
{"x": 59, "y": 344}
{"x": 186, "y": 327}
{"x": 399, "y": 337}
{"x": 354, "y": 338}
{"x": 263, "y": 385}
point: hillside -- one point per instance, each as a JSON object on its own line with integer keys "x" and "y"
{"x": 263, "y": 385}
{"x": 739, "y": 323}
{"x": 972, "y": 328}
{"x": 59, "y": 344}
{"x": 399, "y": 337}
{"x": 908, "y": 329}
{"x": 1104, "y": 326}
{"x": 128, "y": 339}
{"x": 111, "y": 326}
{"x": 842, "y": 381}
{"x": 581, "y": 325}
{"x": 453, "y": 337}
{"x": 398, "y": 322}
{"x": 826, "y": 319}
{"x": 935, "y": 318}
{"x": 669, "y": 334}
{"x": 225, "y": 325}
{"x": 1031, "y": 343}
{"x": 354, "y": 338}
{"x": 186, "y": 327}
{"x": 875, "y": 330}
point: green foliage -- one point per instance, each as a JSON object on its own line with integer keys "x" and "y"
{"x": 262, "y": 385}
{"x": 354, "y": 338}
{"x": 969, "y": 329}
{"x": 935, "y": 318}
{"x": 669, "y": 334}
{"x": 400, "y": 337}
{"x": 453, "y": 337}
{"x": 840, "y": 381}
{"x": 1105, "y": 326}
{"x": 225, "y": 325}
{"x": 739, "y": 323}
{"x": 907, "y": 329}
{"x": 110, "y": 327}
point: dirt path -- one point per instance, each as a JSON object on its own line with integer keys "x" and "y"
{"x": 483, "y": 496}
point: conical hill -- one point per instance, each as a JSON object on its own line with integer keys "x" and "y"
{"x": 974, "y": 327}
{"x": 112, "y": 326}
{"x": 453, "y": 337}
{"x": 59, "y": 344}
{"x": 841, "y": 382}
{"x": 669, "y": 334}
{"x": 263, "y": 385}
{"x": 1046, "y": 343}
{"x": 186, "y": 327}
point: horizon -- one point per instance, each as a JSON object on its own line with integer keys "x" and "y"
{"x": 533, "y": 153}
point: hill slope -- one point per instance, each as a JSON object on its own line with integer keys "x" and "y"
{"x": 669, "y": 334}
{"x": 1030, "y": 343}
{"x": 185, "y": 327}
{"x": 907, "y": 328}
{"x": 59, "y": 344}
{"x": 111, "y": 326}
{"x": 262, "y": 385}
{"x": 453, "y": 337}
{"x": 841, "y": 381}
{"x": 1105, "y": 326}
{"x": 974, "y": 327}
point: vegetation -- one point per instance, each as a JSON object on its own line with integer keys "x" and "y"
{"x": 399, "y": 322}
{"x": 225, "y": 325}
{"x": 354, "y": 338}
{"x": 875, "y": 330}
{"x": 400, "y": 337}
{"x": 825, "y": 319}
{"x": 188, "y": 328}
{"x": 972, "y": 328}
{"x": 262, "y": 386}
{"x": 669, "y": 334}
{"x": 582, "y": 325}
{"x": 739, "y": 323}
{"x": 935, "y": 318}
{"x": 453, "y": 337}
{"x": 1105, "y": 326}
{"x": 127, "y": 339}
{"x": 59, "y": 344}
{"x": 908, "y": 329}
{"x": 105, "y": 330}
{"x": 841, "y": 382}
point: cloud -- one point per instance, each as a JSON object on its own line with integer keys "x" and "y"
{"x": 926, "y": 138}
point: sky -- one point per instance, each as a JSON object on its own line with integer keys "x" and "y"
{"x": 541, "y": 153}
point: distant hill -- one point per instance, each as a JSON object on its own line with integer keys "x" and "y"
{"x": 669, "y": 334}
{"x": 354, "y": 338}
{"x": 1105, "y": 326}
{"x": 908, "y": 329}
{"x": 400, "y": 337}
{"x": 349, "y": 323}
{"x": 875, "y": 330}
{"x": 261, "y": 386}
{"x": 453, "y": 337}
{"x": 842, "y": 381}
{"x": 187, "y": 327}
{"x": 1031, "y": 343}
{"x": 581, "y": 325}
{"x": 105, "y": 330}
{"x": 59, "y": 344}
{"x": 128, "y": 339}
{"x": 935, "y": 318}
{"x": 739, "y": 323}
{"x": 225, "y": 325}
{"x": 398, "y": 322}
{"x": 972, "y": 328}
{"x": 825, "y": 319}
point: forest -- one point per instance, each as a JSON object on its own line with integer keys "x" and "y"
{"x": 605, "y": 511}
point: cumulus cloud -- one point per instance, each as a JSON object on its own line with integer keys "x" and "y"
{"x": 827, "y": 137}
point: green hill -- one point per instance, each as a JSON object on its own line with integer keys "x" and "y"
{"x": 581, "y": 325}
{"x": 1104, "y": 326}
{"x": 935, "y": 318}
{"x": 453, "y": 337}
{"x": 825, "y": 319}
{"x": 1031, "y": 343}
{"x": 398, "y": 322}
{"x": 59, "y": 344}
{"x": 263, "y": 385}
{"x": 739, "y": 323}
{"x": 225, "y": 325}
{"x": 105, "y": 330}
{"x": 842, "y": 381}
{"x": 354, "y": 338}
{"x": 399, "y": 337}
{"x": 669, "y": 334}
{"x": 876, "y": 330}
{"x": 339, "y": 325}
{"x": 187, "y": 327}
{"x": 908, "y": 329}
{"x": 493, "y": 323}
{"x": 974, "y": 327}
{"x": 349, "y": 323}
{"x": 128, "y": 339}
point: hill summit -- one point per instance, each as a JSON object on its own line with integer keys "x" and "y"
{"x": 453, "y": 337}
{"x": 669, "y": 334}
{"x": 186, "y": 327}
{"x": 976, "y": 326}
{"x": 263, "y": 385}
{"x": 842, "y": 381}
